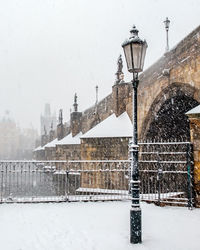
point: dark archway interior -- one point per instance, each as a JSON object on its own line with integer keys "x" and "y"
{"x": 171, "y": 122}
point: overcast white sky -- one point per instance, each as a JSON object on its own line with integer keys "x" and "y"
{"x": 50, "y": 49}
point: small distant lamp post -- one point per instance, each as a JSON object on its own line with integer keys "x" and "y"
{"x": 135, "y": 51}
{"x": 167, "y": 22}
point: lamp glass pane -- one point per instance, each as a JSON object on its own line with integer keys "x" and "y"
{"x": 137, "y": 54}
{"x": 128, "y": 55}
{"x": 143, "y": 55}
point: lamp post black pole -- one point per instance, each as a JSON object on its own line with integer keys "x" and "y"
{"x": 135, "y": 212}
{"x": 135, "y": 51}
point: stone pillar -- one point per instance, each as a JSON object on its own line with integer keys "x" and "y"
{"x": 51, "y": 135}
{"x": 60, "y": 131}
{"x": 121, "y": 95}
{"x": 60, "y": 126}
{"x": 75, "y": 120}
{"x": 44, "y": 140}
{"x": 195, "y": 139}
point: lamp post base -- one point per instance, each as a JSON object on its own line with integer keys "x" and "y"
{"x": 135, "y": 226}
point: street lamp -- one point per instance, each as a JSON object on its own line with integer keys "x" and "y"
{"x": 167, "y": 22}
{"x": 135, "y": 50}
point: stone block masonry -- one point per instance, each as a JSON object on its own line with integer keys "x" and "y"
{"x": 195, "y": 139}
{"x": 104, "y": 148}
{"x": 68, "y": 152}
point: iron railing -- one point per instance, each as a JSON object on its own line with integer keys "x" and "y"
{"x": 166, "y": 174}
{"x": 45, "y": 181}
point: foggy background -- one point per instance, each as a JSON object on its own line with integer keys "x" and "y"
{"x": 51, "y": 49}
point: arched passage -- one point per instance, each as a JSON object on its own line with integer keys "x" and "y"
{"x": 166, "y": 119}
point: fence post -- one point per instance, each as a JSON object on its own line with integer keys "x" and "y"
{"x": 67, "y": 181}
{"x": 159, "y": 176}
{"x": 190, "y": 178}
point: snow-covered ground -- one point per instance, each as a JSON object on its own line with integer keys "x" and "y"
{"x": 95, "y": 226}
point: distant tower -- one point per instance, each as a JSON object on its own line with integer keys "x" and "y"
{"x": 167, "y": 22}
{"x": 119, "y": 74}
{"x": 47, "y": 119}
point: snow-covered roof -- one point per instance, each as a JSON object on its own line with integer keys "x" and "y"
{"x": 38, "y": 149}
{"x": 51, "y": 144}
{"x": 113, "y": 126}
{"x": 70, "y": 140}
{"x": 193, "y": 111}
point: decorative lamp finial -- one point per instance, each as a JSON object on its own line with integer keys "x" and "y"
{"x": 134, "y": 31}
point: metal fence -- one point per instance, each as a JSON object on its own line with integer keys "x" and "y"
{"x": 165, "y": 173}
{"x": 48, "y": 181}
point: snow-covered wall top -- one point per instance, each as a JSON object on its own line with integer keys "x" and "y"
{"x": 51, "y": 144}
{"x": 70, "y": 140}
{"x": 38, "y": 149}
{"x": 111, "y": 127}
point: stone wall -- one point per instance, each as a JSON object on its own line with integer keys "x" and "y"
{"x": 97, "y": 113}
{"x": 68, "y": 152}
{"x": 50, "y": 154}
{"x": 180, "y": 67}
{"x": 104, "y": 148}
{"x": 195, "y": 139}
{"x": 39, "y": 155}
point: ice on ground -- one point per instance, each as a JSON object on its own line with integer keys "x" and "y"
{"x": 96, "y": 226}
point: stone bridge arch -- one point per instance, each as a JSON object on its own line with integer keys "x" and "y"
{"x": 166, "y": 117}
{"x": 175, "y": 77}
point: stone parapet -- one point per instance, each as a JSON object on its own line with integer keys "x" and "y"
{"x": 113, "y": 148}
{"x": 68, "y": 152}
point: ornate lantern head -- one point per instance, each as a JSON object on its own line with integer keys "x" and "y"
{"x": 135, "y": 51}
